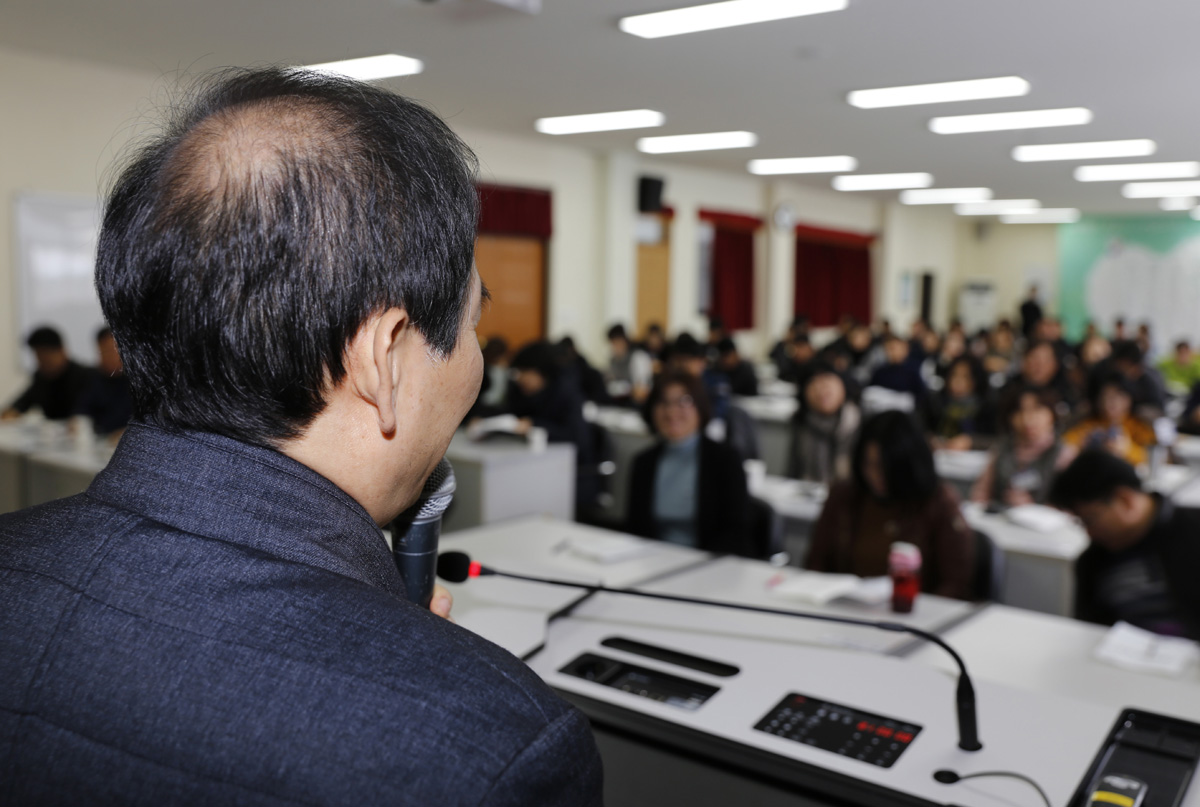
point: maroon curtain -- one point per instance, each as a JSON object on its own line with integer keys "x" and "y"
{"x": 514, "y": 211}
{"x": 831, "y": 280}
{"x": 733, "y": 278}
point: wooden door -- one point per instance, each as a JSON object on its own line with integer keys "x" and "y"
{"x": 514, "y": 270}
{"x": 653, "y": 281}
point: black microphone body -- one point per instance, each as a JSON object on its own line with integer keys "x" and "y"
{"x": 456, "y": 567}
{"x": 416, "y": 531}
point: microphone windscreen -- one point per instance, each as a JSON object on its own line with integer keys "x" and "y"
{"x": 435, "y": 496}
{"x": 454, "y": 567}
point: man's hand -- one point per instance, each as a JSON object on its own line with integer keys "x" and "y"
{"x": 442, "y": 602}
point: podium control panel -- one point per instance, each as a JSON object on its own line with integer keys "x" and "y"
{"x": 843, "y": 730}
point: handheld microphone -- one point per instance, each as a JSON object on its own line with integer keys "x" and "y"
{"x": 457, "y": 567}
{"x": 415, "y": 534}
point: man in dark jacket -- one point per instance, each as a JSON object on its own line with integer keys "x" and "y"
{"x": 218, "y": 619}
{"x": 58, "y": 382}
{"x": 1144, "y": 557}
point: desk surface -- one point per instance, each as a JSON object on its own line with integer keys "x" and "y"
{"x": 1053, "y": 655}
{"x": 501, "y": 450}
{"x": 752, "y": 582}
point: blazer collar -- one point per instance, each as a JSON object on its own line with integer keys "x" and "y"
{"x": 226, "y": 490}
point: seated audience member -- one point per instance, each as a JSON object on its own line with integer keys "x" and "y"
{"x": 630, "y": 370}
{"x": 1111, "y": 425}
{"x": 797, "y": 360}
{"x": 655, "y": 344}
{"x": 901, "y": 373}
{"x": 961, "y": 414}
{"x": 1050, "y": 330}
{"x": 1119, "y": 333}
{"x": 1146, "y": 386}
{"x": 1189, "y": 421}
{"x": 1040, "y": 370}
{"x": 894, "y": 494}
{"x": 742, "y": 378}
{"x": 1145, "y": 342}
{"x": 1143, "y": 561}
{"x": 494, "y": 387}
{"x": 687, "y": 489}
{"x": 729, "y": 423}
{"x": 58, "y": 382}
{"x": 1028, "y": 454}
{"x": 589, "y": 380}
{"x": 107, "y": 400}
{"x": 1001, "y": 352}
{"x": 865, "y": 355}
{"x": 716, "y": 332}
{"x": 542, "y": 396}
{"x": 780, "y": 351}
{"x": 1181, "y": 370}
{"x": 953, "y": 347}
{"x": 823, "y": 429}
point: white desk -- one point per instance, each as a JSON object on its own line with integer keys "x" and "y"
{"x": 513, "y": 613}
{"x": 1052, "y": 655}
{"x": 772, "y": 417}
{"x": 630, "y": 437}
{"x": 499, "y": 480}
{"x": 62, "y": 472}
{"x": 719, "y": 735}
{"x": 751, "y": 582}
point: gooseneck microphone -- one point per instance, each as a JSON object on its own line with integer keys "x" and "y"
{"x": 457, "y": 567}
{"x": 415, "y": 534}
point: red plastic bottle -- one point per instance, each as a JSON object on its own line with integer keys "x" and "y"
{"x": 904, "y": 566}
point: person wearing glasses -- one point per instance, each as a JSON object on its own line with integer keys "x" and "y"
{"x": 688, "y": 489}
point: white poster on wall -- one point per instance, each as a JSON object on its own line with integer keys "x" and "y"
{"x": 56, "y": 254}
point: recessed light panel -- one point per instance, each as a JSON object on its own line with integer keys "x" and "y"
{"x": 1154, "y": 190}
{"x": 1134, "y": 171}
{"x": 1004, "y": 121}
{"x": 945, "y": 196}
{"x": 997, "y": 207}
{"x": 710, "y": 141}
{"x": 722, "y": 15}
{"x": 1100, "y": 150}
{"x": 1177, "y": 202}
{"x": 940, "y": 93}
{"x": 1047, "y": 215}
{"x": 803, "y": 165}
{"x": 881, "y": 182}
{"x": 600, "y": 122}
{"x": 372, "y": 68}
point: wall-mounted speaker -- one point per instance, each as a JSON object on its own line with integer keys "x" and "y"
{"x": 650, "y": 191}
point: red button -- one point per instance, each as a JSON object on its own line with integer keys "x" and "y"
{"x": 884, "y": 732}
{"x": 903, "y": 737}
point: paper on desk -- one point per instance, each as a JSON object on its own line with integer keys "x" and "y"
{"x": 607, "y": 548}
{"x": 819, "y": 588}
{"x": 1135, "y": 649}
{"x": 1038, "y": 517}
{"x": 506, "y": 424}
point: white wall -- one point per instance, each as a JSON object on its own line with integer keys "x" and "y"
{"x": 1008, "y": 256}
{"x": 63, "y": 124}
{"x": 917, "y": 239}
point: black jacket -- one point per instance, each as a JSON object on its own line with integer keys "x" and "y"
{"x": 722, "y": 502}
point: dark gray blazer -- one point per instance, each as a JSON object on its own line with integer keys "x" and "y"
{"x": 214, "y": 623}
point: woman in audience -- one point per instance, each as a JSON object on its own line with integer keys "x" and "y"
{"x": 1111, "y": 424}
{"x": 894, "y": 494}
{"x": 824, "y": 428}
{"x": 1028, "y": 455}
{"x": 961, "y": 414}
{"x": 688, "y": 489}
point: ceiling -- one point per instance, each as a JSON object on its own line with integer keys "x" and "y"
{"x": 1134, "y": 64}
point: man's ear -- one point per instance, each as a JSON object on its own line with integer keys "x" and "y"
{"x": 379, "y": 374}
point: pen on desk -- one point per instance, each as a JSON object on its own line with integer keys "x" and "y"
{"x": 775, "y": 580}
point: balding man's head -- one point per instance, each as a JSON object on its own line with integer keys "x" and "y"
{"x": 244, "y": 247}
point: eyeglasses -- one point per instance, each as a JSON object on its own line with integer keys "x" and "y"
{"x": 682, "y": 402}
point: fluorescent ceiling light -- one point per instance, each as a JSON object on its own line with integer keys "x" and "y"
{"x": 1177, "y": 202}
{"x": 1004, "y": 121}
{"x": 881, "y": 182}
{"x": 803, "y": 165}
{"x": 1151, "y": 190}
{"x": 722, "y": 15}
{"x": 1100, "y": 150}
{"x": 1047, "y": 215}
{"x": 943, "y": 92}
{"x": 710, "y": 141}
{"x": 945, "y": 196}
{"x": 1131, "y": 171}
{"x": 371, "y": 68}
{"x": 600, "y": 122}
{"x": 997, "y": 207}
